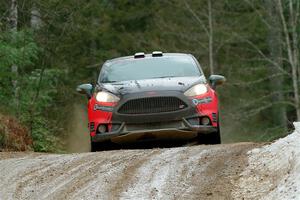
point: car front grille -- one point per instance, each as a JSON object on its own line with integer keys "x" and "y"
{"x": 152, "y": 105}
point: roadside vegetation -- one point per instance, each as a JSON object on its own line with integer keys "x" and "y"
{"x": 13, "y": 136}
{"x": 47, "y": 47}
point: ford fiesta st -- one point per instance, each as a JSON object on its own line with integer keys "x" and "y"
{"x": 153, "y": 96}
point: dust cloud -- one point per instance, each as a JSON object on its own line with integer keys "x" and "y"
{"x": 78, "y": 134}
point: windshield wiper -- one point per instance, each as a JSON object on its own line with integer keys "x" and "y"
{"x": 110, "y": 82}
{"x": 165, "y": 77}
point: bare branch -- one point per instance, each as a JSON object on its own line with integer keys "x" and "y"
{"x": 262, "y": 18}
{"x": 253, "y": 112}
{"x": 258, "y": 100}
{"x": 264, "y": 56}
{"x": 196, "y": 17}
{"x": 245, "y": 84}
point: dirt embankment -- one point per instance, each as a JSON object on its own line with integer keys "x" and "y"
{"x": 232, "y": 171}
{"x": 13, "y": 135}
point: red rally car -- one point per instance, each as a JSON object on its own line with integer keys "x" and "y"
{"x": 153, "y": 96}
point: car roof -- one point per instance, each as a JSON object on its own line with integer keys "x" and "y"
{"x": 108, "y": 62}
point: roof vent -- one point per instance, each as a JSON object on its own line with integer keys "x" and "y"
{"x": 139, "y": 55}
{"x": 157, "y": 54}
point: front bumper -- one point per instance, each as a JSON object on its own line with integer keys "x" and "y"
{"x": 179, "y": 124}
{"x": 185, "y": 131}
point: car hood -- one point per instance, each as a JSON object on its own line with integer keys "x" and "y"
{"x": 157, "y": 84}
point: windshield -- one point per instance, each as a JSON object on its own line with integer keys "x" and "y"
{"x": 149, "y": 68}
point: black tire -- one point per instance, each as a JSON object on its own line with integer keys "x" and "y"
{"x": 211, "y": 138}
{"x": 102, "y": 146}
{"x": 94, "y": 146}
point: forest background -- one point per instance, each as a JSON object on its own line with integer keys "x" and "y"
{"x": 48, "y": 47}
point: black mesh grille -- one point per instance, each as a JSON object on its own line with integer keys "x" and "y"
{"x": 152, "y": 105}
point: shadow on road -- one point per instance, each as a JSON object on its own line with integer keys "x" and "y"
{"x": 143, "y": 145}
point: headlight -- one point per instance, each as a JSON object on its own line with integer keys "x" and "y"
{"x": 196, "y": 90}
{"x": 106, "y": 97}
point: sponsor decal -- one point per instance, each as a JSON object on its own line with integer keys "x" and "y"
{"x": 202, "y": 101}
{"x": 103, "y": 108}
{"x": 195, "y": 101}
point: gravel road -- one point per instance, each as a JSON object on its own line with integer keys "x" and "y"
{"x": 228, "y": 171}
{"x": 197, "y": 172}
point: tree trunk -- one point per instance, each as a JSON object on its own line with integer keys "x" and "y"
{"x": 13, "y": 22}
{"x": 275, "y": 49}
{"x": 295, "y": 72}
{"x": 35, "y": 19}
{"x": 210, "y": 38}
{"x": 94, "y": 47}
{"x": 13, "y": 16}
{"x": 292, "y": 53}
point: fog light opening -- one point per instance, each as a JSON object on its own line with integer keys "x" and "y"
{"x": 102, "y": 128}
{"x": 205, "y": 121}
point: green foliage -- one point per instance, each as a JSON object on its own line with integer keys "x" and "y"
{"x": 38, "y": 87}
{"x": 17, "y": 48}
{"x": 42, "y": 134}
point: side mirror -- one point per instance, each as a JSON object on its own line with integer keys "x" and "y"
{"x": 85, "y": 89}
{"x": 216, "y": 80}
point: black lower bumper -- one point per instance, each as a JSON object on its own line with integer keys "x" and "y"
{"x": 185, "y": 131}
